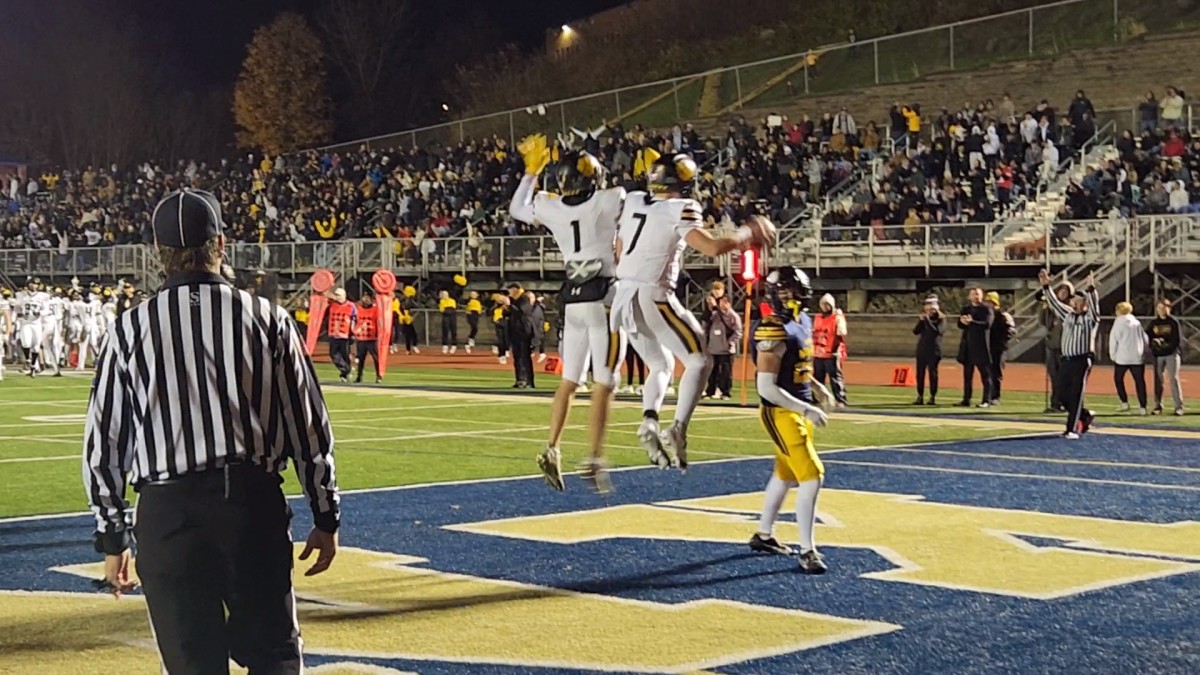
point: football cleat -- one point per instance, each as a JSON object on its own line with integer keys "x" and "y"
{"x": 550, "y": 462}
{"x": 595, "y": 474}
{"x": 649, "y": 437}
{"x": 812, "y": 562}
{"x": 674, "y": 441}
{"x": 761, "y": 544}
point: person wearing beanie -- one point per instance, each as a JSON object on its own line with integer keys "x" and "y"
{"x": 929, "y": 329}
{"x": 829, "y": 347}
{"x": 1004, "y": 327}
{"x": 1127, "y": 345}
{"x": 974, "y": 351}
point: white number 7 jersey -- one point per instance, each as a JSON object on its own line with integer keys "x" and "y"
{"x": 652, "y": 233}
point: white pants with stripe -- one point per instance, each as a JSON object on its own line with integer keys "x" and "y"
{"x": 588, "y": 338}
{"x": 659, "y": 327}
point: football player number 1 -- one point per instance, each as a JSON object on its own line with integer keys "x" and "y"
{"x": 641, "y": 218}
{"x": 575, "y": 229}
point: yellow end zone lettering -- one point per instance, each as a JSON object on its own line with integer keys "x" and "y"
{"x": 383, "y": 606}
{"x": 944, "y": 545}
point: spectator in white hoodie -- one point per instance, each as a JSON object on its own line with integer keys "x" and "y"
{"x": 1127, "y": 348}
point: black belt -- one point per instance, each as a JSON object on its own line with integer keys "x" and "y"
{"x": 1080, "y": 357}
{"x": 214, "y": 473}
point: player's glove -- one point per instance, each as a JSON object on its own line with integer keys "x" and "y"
{"x": 536, "y": 154}
{"x": 816, "y": 416}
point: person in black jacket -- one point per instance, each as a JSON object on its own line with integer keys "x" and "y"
{"x": 974, "y": 352}
{"x": 520, "y": 334}
{"x": 928, "y": 330}
{"x": 1003, "y": 328}
{"x": 1163, "y": 332}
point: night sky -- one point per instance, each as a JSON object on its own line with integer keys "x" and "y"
{"x": 206, "y": 39}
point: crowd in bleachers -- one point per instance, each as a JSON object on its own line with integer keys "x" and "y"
{"x": 986, "y": 160}
{"x": 974, "y": 165}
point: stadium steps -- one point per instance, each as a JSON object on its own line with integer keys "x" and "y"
{"x": 1113, "y": 77}
{"x": 654, "y": 100}
{"x": 710, "y": 97}
{"x": 770, "y": 84}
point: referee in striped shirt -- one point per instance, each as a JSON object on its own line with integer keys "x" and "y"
{"x": 1080, "y": 323}
{"x": 202, "y": 394}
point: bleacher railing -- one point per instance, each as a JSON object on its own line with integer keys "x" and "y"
{"x": 1162, "y": 239}
{"x": 1043, "y": 30}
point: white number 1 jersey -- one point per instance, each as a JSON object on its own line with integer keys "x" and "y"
{"x": 652, "y": 233}
{"x": 584, "y": 231}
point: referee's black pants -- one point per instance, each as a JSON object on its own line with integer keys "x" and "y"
{"x": 1072, "y": 379}
{"x": 365, "y": 347}
{"x": 217, "y": 542}
{"x": 339, "y": 353}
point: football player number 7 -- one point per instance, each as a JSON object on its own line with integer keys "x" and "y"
{"x": 641, "y": 218}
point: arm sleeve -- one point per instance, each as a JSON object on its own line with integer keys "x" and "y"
{"x": 521, "y": 207}
{"x": 690, "y": 218}
{"x": 1112, "y": 342}
{"x": 917, "y": 328}
{"x": 1174, "y": 339}
{"x": 1094, "y": 303}
{"x": 772, "y": 393}
{"x": 108, "y": 452}
{"x": 307, "y": 431}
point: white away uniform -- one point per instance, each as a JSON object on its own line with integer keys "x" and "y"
{"x": 29, "y": 318}
{"x": 6, "y": 316}
{"x": 54, "y": 313}
{"x": 584, "y": 232}
{"x": 652, "y": 236}
{"x": 95, "y": 325}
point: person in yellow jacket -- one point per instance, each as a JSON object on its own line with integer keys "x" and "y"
{"x": 448, "y": 307}
{"x": 500, "y": 324}
{"x": 404, "y": 319}
{"x": 474, "y": 311}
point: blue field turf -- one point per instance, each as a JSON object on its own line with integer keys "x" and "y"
{"x": 1143, "y": 626}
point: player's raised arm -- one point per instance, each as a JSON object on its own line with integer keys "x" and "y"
{"x": 536, "y": 154}
{"x": 757, "y": 231}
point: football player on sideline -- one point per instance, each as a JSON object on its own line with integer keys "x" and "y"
{"x": 54, "y": 314}
{"x": 656, "y": 227}
{"x": 29, "y": 323}
{"x": 6, "y": 324}
{"x": 790, "y": 413}
{"x": 583, "y": 221}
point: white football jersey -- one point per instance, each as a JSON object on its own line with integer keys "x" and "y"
{"x": 54, "y": 310}
{"x": 77, "y": 311}
{"x": 6, "y": 310}
{"x": 30, "y": 306}
{"x": 652, "y": 233}
{"x": 93, "y": 310}
{"x": 584, "y": 232}
{"x": 110, "y": 312}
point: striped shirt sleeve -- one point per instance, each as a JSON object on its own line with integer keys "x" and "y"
{"x": 1060, "y": 310}
{"x": 108, "y": 452}
{"x": 308, "y": 434}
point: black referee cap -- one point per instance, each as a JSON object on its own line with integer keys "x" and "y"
{"x": 187, "y": 219}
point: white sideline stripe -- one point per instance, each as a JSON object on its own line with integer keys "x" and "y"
{"x": 538, "y": 476}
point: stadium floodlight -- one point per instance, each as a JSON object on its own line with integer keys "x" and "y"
{"x": 566, "y": 28}
{"x": 446, "y": 107}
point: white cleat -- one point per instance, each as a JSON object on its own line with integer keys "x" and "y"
{"x": 650, "y": 438}
{"x": 675, "y": 442}
{"x": 1124, "y": 407}
{"x": 550, "y": 462}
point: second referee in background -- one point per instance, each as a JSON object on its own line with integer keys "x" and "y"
{"x": 202, "y": 394}
{"x": 1080, "y": 324}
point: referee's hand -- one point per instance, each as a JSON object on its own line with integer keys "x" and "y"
{"x": 116, "y": 573}
{"x": 326, "y": 545}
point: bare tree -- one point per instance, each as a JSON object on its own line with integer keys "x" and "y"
{"x": 367, "y": 40}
